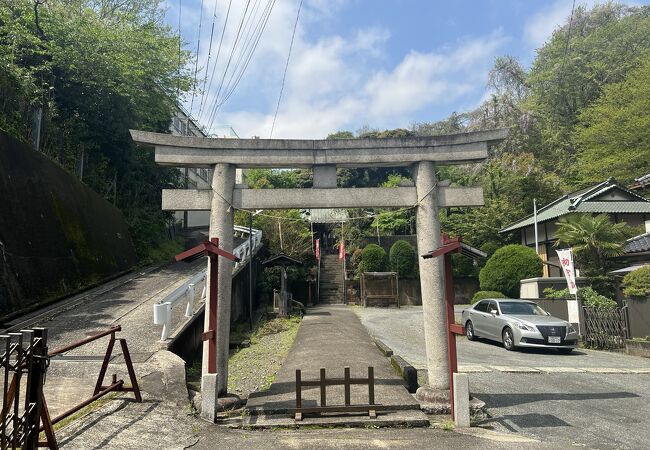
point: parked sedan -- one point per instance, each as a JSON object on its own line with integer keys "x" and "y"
{"x": 518, "y": 323}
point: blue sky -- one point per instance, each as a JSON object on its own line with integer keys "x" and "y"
{"x": 354, "y": 63}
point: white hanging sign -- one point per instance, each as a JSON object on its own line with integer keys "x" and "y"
{"x": 566, "y": 261}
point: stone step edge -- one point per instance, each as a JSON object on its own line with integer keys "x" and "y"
{"x": 383, "y": 420}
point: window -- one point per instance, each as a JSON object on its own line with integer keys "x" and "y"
{"x": 522, "y": 308}
{"x": 482, "y": 306}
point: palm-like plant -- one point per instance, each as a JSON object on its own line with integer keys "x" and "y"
{"x": 593, "y": 239}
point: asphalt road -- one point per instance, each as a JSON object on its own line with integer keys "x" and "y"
{"x": 591, "y": 398}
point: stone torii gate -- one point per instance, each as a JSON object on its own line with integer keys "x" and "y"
{"x": 421, "y": 154}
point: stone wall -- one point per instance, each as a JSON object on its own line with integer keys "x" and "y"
{"x": 409, "y": 291}
{"x": 56, "y": 234}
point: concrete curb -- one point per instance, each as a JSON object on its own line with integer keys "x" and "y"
{"x": 383, "y": 348}
{"x": 408, "y": 373}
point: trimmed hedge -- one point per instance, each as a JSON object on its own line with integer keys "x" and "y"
{"x": 402, "y": 258}
{"x": 587, "y": 295}
{"x": 480, "y": 295}
{"x": 373, "y": 259}
{"x": 507, "y": 267}
{"x": 637, "y": 283}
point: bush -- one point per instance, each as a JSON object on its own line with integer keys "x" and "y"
{"x": 587, "y": 296}
{"x": 402, "y": 258}
{"x": 508, "y": 266}
{"x": 637, "y": 283}
{"x": 373, "y": 259}
{"x": 480, "y": 295}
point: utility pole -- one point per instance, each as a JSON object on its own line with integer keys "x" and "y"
{"x": 535, "y": 220}
{"x": 250, "y": 269}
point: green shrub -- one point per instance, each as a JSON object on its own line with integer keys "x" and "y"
{"x": 373, "y": 259}
{"x": 587, "y": 296}
{"x": 480, "y": 295}
{"x": 507, "y": 266}
{"x": 637, "y": 283}
{"x": 402, "y": 258}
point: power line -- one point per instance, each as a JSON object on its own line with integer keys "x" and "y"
{"x": 207, "y": 67}
{"x": 249, "y": 33}
{"x": 230, "y": 89}
{"x": 178, "y": 81}
{"x": 246, "y": 35}
{"x": 241, "y": 23}
{"x": 216, "y": 60}
{"x": 568, "y": 39}
{"x": 284, "y": 76}
{"x": 196, "y": 62}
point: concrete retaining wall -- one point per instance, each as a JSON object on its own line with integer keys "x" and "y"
{"x": 186, "y": 341}
{"x": 639, "y": 314}
{"x": 638, "y": 348}
{"x": 56, "y": 234}
{"x": 557, "y": 307}
{"x": 409, "y": 291}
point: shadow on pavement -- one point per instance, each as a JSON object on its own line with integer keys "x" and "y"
{"x": 532, "y": 420}
{"x": 501, "y": 400}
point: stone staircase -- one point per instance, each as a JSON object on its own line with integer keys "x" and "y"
{"x": 331, "y": 280}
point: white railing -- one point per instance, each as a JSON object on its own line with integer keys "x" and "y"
{"x": 162, "y": 311}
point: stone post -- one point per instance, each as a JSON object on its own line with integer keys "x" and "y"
{"x": 431, "y": 282}
{"x": 221, "y": 226}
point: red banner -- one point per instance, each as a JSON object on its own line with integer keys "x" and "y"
{"x": 318, "y": 249}
{"x": 342, "y": 250}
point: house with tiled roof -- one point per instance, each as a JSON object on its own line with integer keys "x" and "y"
{"x": 609, "y": 197}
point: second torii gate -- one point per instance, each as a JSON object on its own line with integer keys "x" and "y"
{"x": 421, "y": 154}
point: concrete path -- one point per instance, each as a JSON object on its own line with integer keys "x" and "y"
{"x": 332, "y": 337}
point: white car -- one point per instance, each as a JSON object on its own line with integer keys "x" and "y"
{"x": 518, "y": 323}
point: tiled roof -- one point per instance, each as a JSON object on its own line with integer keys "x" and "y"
{"x": 581, "y": 202}
{"x": 638, "y": 244}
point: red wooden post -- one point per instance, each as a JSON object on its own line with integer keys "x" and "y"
{"x": 451, "y": 320}
{"x": 212, "y": 250}
{"x": 212, "y": 319}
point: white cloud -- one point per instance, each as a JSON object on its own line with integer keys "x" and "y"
{"x": 539, "y": 28}
{"x": 339, "y": 82}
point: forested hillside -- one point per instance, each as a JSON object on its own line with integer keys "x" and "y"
{"x": 95, "y": 68}
{"x": 578, "y": 115}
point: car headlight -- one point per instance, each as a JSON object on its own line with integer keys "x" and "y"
{"x": 522, "y": 326}
{"x": 570, "y": 329}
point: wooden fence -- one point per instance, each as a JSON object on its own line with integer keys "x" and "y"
{"x": 606, "y": 328}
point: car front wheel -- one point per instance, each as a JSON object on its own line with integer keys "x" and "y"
{"x": 508, "y": 339}
{"x": 469, "y": 331}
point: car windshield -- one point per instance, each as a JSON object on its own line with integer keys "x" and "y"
{"x": 521, "y": 308}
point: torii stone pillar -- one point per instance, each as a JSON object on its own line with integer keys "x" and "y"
{"x": 431, "y": 283}
{"x": 221, "y": 226}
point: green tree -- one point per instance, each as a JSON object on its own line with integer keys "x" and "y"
{"x": 507, "y": 267}
{"x": 598, "y": 47}
{"x": 510, "y": 182}
{"x": 614, "y": 131}
{"x": 403, "y": 258}
{"x": 594, "y": 239}
{"x": 97, "y": 69}
{"x": 373, "y": 259}
{"x": 637, "y": 283}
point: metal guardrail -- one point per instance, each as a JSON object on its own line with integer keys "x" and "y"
{"x": 162, "y": 311}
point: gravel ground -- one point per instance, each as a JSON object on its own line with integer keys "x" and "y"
{"x": 254, "y": 368}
